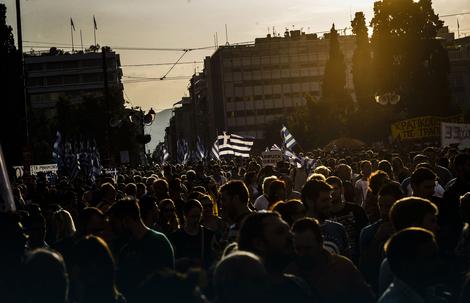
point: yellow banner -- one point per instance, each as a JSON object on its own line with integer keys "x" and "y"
{"x": 425, "y": 127}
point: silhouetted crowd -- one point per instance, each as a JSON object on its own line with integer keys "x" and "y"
{"x": 355, "y": 227}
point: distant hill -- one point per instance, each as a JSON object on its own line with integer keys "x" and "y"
{"x": 157, "y": 129}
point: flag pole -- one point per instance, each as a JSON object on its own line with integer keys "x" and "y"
{"x": 94, "y": 28}
{"x": 81, "y": 39}
{"x": 71, "y": 32}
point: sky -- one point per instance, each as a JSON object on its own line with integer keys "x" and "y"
{"x": 184, "y": 24}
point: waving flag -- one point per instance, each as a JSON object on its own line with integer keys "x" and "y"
{"x": 287, "y": 138}
{"x": 215, "y": 150}
{"x": 200, "y": 150}
{"x": 71, "y": 24}
{"x": 231, "y": 144}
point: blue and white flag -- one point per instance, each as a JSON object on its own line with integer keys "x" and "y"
{"x": 287, "y": 138}
{"x": 200, "y": 150}
{"x": 72, "y": 166}
{"x": 238, "y": 146}
{"x": 183, "y": 153}
{"x": 165, "y": 154}
{"x": 58, "y": 153}
{"x": 294, "y": 159}
{"x": 95, "y": 161}
{"x": 215, "y": 150}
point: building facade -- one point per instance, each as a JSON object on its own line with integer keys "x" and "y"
{"x": 51, "y": 76}
{"x": 252, "y": 85}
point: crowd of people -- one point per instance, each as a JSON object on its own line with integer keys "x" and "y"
{"x": 355, "y": 227}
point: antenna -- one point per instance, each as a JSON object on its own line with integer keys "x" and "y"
{"x": 274, "y": 31}
{"x": 226, "y": 35}
{"x": 217, "y": 39}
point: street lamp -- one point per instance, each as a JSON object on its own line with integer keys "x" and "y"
{"x": 391, "y": 98}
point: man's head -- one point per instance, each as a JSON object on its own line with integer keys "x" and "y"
{"x": 308, "y": 241}
{"x": 268, "y": 236}
{"x": 316, "y": 196}
{"x": 423, "y": 182}
{"x": 465, "y": 207}
{"x": 124, "y": 215}
{"x": 91, "y": 221}
{"x": 344, "y": 172}
{"x": 388, "y": 195}
{"x": 192, "y": 211}
{"x": 108, "y": 192}
{"x": 413, "y": 257}
{"x": 337, "y": 192}
{"x": 462, "y": 166}
{"x": 366, "y": 168}
{"x": 45, "y": 277}
{"x": 267, "y": 183}
{"x": 414, "y": 212}
{"x": 234, "y": 198}
{"x": 239, "y": 276}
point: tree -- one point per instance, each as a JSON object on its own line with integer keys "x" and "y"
{"x": 361, "y": 63}
{"x": 334, "y": 90}
{"x": 12, "y": 130}
{"x": 408, "y": 59}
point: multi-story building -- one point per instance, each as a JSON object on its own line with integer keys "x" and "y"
{"x": 459, "y": 78}
{"x": 54, "y": 75}
{"x": 251, "y": 85}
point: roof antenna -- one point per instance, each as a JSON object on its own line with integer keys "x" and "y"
{"x": 226, "y": 35}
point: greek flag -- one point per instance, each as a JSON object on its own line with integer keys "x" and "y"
{"x": 183, "y": 151}
{"x": 95, "y": 161}
{"x": 72, "y": 166}
{"x": 238, "y": 146}
{"x": 215, "y": 150}
{"x": 287, "y": 138}
{"x": 200, "y": 150}
{"x": 293, "y": 158}
{"x": 165, "y": 154}
{"x": 58, "y": 153}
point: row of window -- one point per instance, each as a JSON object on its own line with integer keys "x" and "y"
{"x": 68, "y": 79}
{"x": 70, "y": 65}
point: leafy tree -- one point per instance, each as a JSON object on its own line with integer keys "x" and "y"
{"x": 12, "y": 130}
{"x": 407, "y": 58}
{"x": 361, "y": 63}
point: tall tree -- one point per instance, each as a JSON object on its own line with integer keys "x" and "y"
{"x": 361, "y": 63}
{"x": 407, "y": 58}
{"x": 334, "y": 91}
{"x": 12, "y": 121}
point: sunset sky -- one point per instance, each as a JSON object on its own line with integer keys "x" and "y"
{"x": 185, "y": 24}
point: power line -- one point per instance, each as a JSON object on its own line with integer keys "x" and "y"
{"x": 160, "y": 64}
{"x": 456, "y": 14}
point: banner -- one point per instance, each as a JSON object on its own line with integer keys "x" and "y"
{"x": 426, "y": 127}
{"x": 455, "y": 133}
{"x": 272, "y": 157}
{"x": 35, "y": 169}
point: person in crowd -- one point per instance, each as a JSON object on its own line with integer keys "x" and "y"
{"x": 141, "y": 190}
{"x": 413, "y": 257}
{"x": 94, "y": 272}
{"x": 192, "y": 242}
{"x": 344, "y": 173}
{"x": 61, "y": 226}
{"x": 423, "y": 182}
{"x": 14, "y": 241}
{"x": 376, "y": 180}
{"x": 131, "y": 190}
{"x": 262, "y": 202}
{"x": 443, "y": 174}
{"x": 161, "y": 189}
{"x": 268, "y": 236}
{"x": 146, "y": 252}
{"x": 374, "y": 236}
{"x": 362, "y": 185}
{"x": 168, "y": 221}
{"x": 44, "y": 278}
{"x": 276, "y": 193}
{"x": 408, "y": 212}
{"x": 35, "y": 226}
{"x": 333, "y": 278}
{"x": 108, "y": 196}
{"x": 251, "y": 183}
{"x": 316, "y": 196}
{"x": 240, "y": 277}
{"x": 234, "y": 199}
{"x": 290, "y": 211}
{"x": 350, "y": 215}
{"x": 149, "y": 211}
{"x": 400, "y": 172}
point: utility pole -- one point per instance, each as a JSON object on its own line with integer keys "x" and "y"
{"x": 108, "y": 160}
{"x": 27, "y": 155}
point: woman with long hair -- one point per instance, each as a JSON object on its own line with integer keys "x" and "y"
{"x": 94, "y": 272}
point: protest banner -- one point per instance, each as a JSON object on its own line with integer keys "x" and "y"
{"x": 455, "y": 133}
{"x": 426, "y": 127}
{"x": 271, "y": 157}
